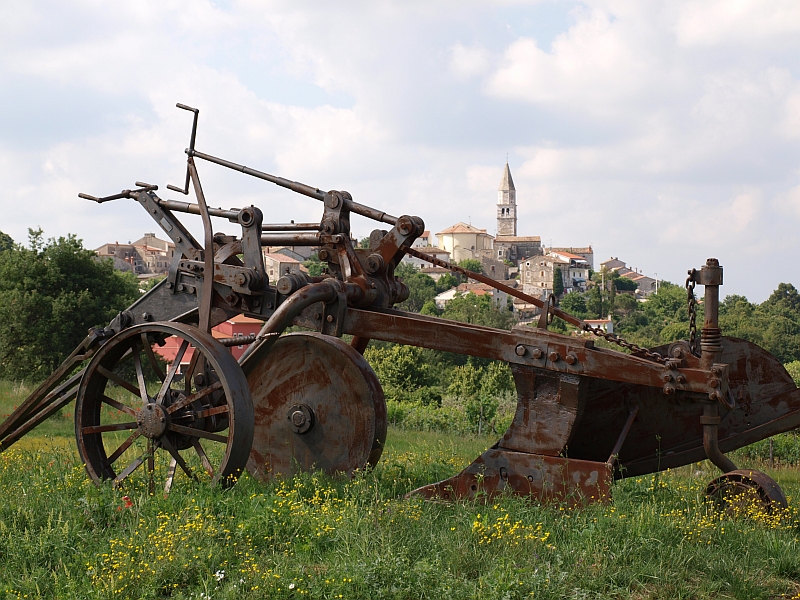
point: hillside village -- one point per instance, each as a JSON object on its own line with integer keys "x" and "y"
{"x": 519, "y": 261}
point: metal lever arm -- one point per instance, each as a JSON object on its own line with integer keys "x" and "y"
{"x": 143, "y": 187}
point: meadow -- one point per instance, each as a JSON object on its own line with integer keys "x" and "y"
{"x": 319, "y": 537}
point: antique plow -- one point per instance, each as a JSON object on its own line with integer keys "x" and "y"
{"x": 304, "y": 400}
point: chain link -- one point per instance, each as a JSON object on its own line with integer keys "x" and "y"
{"x": 692, "y": 302}
{"x": 615, "y": 339}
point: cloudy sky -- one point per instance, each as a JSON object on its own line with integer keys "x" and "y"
{"x": 659, "y": 132}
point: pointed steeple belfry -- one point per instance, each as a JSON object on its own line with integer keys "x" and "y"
{"x": 507, "y": 205}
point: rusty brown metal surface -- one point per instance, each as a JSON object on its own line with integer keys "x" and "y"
{"x": 546, "y": 478}
{"x": 736, "y": 489}
{"x": 317, "y": 404}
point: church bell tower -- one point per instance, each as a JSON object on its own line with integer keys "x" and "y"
{"x": 507, "y": 205}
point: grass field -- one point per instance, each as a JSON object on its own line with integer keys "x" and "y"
{"x": 319, "y": 537}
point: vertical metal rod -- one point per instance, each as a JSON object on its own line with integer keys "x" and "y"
{"x": 711, "y": 339}
{"x": 612, "y": 459}
{"x": 208, "y": 254}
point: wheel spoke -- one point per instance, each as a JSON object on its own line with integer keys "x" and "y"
{"x": 217, "y": 410}
{"x": 151, "y": 357}
{"x": 137, "y": 362}
{"x": 125, "y": 445}
{"x": 173, "y": 465}
{"x": 151, "y": 466}
{"x": 189, "y": 399}
{"x": 119, "y": 406}
{"x": 189, "y": 373}
{"x": 111, "y": 427}
{"x": 198, "y": 433}
{"x": 203, "y": 458}
{"x": 118, "y": 380}
{"x": 177, "y": 457}
{"x": 128, "y": 470}
{"x": 172, "y": 370}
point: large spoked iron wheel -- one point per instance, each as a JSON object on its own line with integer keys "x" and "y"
{"x": 317, "y": 405}
{"x": 746, "y": 492}
{"x": 137, "y": 414}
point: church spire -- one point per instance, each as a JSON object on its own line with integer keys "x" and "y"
{"x": 507, "y": 205}
{"x": 506, "y": 183}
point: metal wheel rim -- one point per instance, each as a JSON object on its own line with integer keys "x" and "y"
{"x": 725, "y": 490}
{"x": 283, "y": 382}
{"x": 91, "y": 423}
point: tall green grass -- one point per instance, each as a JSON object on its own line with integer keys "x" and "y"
{"x": 319, "y": 537}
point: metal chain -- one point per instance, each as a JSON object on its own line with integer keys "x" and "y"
{"x": 615, "y": 339}
{"x": 690, "y": 283}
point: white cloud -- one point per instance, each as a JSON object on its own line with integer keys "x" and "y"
{"x": 468, "y": 61}
{"x": 753, "y": 22}
{"x": 661, "y": 132}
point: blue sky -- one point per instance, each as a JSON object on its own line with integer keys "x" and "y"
{"x": 661, "y": 132}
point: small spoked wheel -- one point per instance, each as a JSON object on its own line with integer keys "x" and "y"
{"x": 746, "y": 492}
{"x": 166, "y": 397}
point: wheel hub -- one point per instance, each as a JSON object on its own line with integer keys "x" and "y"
{"x": 302, "y": 417}
{"x": 152, "y": 420}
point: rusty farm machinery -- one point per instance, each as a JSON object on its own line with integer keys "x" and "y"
{"x": 307, "y": 400}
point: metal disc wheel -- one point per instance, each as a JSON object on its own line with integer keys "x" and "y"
{"x": 317, "y": 405}
{"x": 744, "y": 490}
{"x": 192, "y": 416}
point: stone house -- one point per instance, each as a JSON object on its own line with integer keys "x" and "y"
{"x": 536, "y": 274}
{"x": 586, "y": 253}
{"x": 278, "y": 265}
{"x": 430, "y": 250}
{"x": 577, "y": 273}
{"x": 148, "y": 255}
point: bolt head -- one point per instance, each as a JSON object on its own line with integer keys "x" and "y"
{"x": 519, "y": 350}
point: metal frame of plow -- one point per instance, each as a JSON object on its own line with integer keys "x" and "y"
{"x": 584, "y": 416}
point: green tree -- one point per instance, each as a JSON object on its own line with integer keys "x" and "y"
{"x": 50, "y": 294}
{"x": 465, "y": 381}
{"x": 315, "y": 266}
{"x": 405, "y": 373}
{"x": 785, "y": 298}
{"x": 478, "y": 310}
{"x": 575, "y": 304}
{"x": 446, "y": 282}
{"x": 6, "y": 243}
{"x": 623, "y": 284}
{"x": 625, "y": 304}
{"x": 471, "y": 264}
{"x": 558, "y": 282}
{"x": 421, "y": 287}
{"x": 430, "y": 309}
{"x": 794, "y": 370}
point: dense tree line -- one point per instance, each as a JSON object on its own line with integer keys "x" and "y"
{"x": 50, "y": 294}
{"x": 773, "y": 324}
